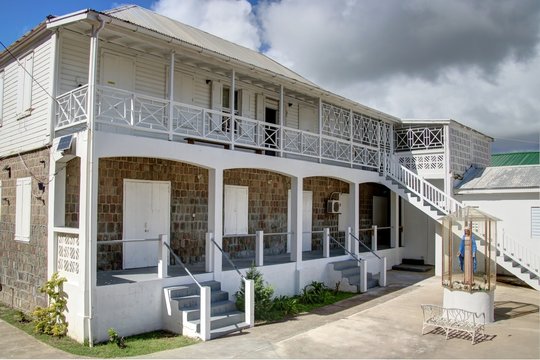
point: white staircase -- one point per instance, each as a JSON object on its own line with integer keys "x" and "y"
{"x": 511, "y": 255}
{"x": 184, "y": 311}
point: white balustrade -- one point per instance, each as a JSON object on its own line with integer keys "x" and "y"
{"x": 520, "y": 253}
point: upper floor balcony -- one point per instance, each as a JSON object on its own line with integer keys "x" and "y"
{"x": 345, "y": 138}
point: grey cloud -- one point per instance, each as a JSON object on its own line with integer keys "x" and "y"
{"x": 370, "y": 40}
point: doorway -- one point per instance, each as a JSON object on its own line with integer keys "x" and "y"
{"x": 270, "y": 132}
{"x": 146, "y": 216}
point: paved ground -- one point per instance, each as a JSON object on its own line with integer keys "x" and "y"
{"x": 384, "y": 323}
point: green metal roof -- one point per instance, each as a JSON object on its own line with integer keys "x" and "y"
{"x": 516, "y": 158}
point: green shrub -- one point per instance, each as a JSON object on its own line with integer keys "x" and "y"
{"x": 314, "y": 293}
{"x": 285, "y": 305}
{"x": 263, "y": 294}
{"x": 51, "y": 320}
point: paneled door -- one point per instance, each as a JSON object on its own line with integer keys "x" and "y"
{"x": 146, "y": 216}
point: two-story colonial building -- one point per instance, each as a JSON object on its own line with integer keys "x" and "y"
{"x": 132, "y": 144}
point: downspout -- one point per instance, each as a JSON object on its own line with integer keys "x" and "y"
{"x": 94, "y": 42}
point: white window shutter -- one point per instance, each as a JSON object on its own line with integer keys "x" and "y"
{"x": 29, "y": 65}
{"x": 535, "y": 222}
{"x": 23, "y": 209}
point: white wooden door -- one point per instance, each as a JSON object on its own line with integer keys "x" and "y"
{"x": 146, "y": 216}
{"x": 118, "y": 72}
{"x": 307, "y": 220}
{"x": 235, "y": 207}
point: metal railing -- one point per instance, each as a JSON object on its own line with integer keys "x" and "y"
{"x": 364, "y": 245}
{"x": 179, "y": 261}
{"x": 249, "y": 287}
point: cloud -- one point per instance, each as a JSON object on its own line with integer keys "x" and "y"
{"x": 232, "y": 20}
{"x": 418, "y": 38}
{"x": 475, "y": 61}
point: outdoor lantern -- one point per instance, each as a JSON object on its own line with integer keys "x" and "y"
{"x": 469, "y": 260}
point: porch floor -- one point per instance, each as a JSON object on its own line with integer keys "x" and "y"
{"x": 115, "y": 277}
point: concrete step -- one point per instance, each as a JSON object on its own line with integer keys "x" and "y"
{"x": 217, "y": 308}
{"x": 193, "y": 301}
{"x": 344, "y": 264}
{"x": 218, "y": 321}
{"x": 219, "y": 332}
{"x": 192, "y": 289}
{"x": 371, "y": 281}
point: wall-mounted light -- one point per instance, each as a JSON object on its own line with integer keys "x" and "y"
{"x": 208, "y": 81}
{"x": 458, "y": 177}
{"x": 290, "y": 104}
{"x": 41, "y": 186}
{"x": 6, "y": 200}
{"x": 8, "y": 169}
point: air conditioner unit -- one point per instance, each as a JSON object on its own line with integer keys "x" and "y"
{"x": 333, "y": 206}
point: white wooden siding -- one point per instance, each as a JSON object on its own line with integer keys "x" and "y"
{"x": 32, "y": 131}
{"x": 150, "y": 77}
{"x": 74, "y": 56}
{"x": 291, "y": 113}
{"x": 1, "y": 96}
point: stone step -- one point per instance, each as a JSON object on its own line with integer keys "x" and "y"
{"x": 371, "y": 281}
{"x": 344, "y": 264}
{"x": 218, "y": 321}
{"x": 217, "y": 308}
{"x": 193, "y": 301}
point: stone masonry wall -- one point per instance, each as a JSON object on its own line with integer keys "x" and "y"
{"x": 322, "y": 188}
{"x": 189, "y": 195}
{"x": 267, "y": 210}
{"x": 23, "y": 265}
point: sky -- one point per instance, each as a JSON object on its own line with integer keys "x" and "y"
{"x": 474, "y": 61}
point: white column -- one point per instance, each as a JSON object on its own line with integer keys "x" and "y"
{"x": 363, "y": 276}
{"x": 326, "y": 242}
{"x": 215, "y": 216}
{"x": 205, "y": 307}
{"x": 354, "y": 214}
{"x": 374, "y": 238}
{"x": 259, "y": 248}
{"x": 394, "y": 220}
{"x": 438, "y": 249}
{"x": 171, "y": 95}
{"x": 249, "y": 301}
{"x": 281, "y": 120}
{"x": 382, "y": 272}
{"x": 320, "y": 128}
{"x": 297, "y": 185}
{"x": 232, "y": 125}
{"x": 209, "y": 253}
{"x": 163, "y": 256}
{"x": 56, "y": 210}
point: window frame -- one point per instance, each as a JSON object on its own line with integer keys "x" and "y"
{"x": 23, "y": 209}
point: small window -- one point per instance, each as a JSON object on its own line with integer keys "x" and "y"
{"x": 1, "y": 96}
{"x": 226, "y": 100}
{"x": 236, "y": 210}
{"x": 535, "y": 222}
{"x": 24, "y": 89}
{"x": 23, "y": 209}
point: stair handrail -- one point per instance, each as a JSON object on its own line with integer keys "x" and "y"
{"x": 182, "y": 264}
{"x": 229, "y": 259}
{"x": 364, "y": 245}
{"x": 418, "y": 185}
{"x": 504, "y": 241}
{"x": 357, "y": 258}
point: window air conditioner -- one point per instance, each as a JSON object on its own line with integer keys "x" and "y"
{"x": 333, "y": 206}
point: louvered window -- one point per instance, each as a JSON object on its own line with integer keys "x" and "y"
{"x": 535, "y": 222}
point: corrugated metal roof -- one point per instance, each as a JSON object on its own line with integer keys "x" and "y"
{"x": 501, "y": 177}
{"x": 516, "y": 158}
{"x": 166, "y": 26}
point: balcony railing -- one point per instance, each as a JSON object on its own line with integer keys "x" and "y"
{"x": 131, "y": 110}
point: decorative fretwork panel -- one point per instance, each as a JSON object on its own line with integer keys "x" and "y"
{"x": 71, "y": 107}
{"x": 428, "y": 162}
{"x": 460, "y": 150}
{"x": 481, "y": 152}
{"x": 365, "y": 157}
{"x": 423, "y": 138}
{"x": 68, "y": 253}
{"x": 336, "y": 121}
{"x": 366, "y": 130}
